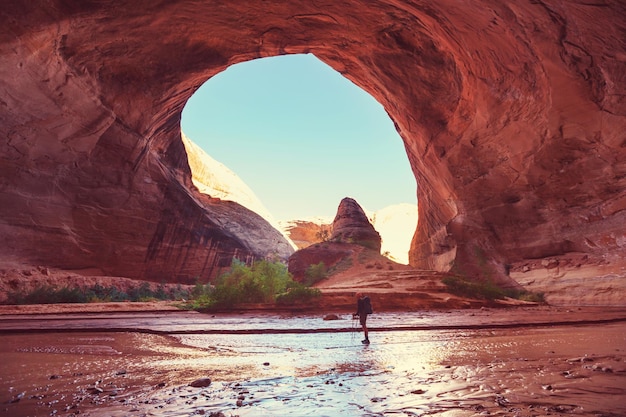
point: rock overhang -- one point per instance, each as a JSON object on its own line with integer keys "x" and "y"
{"x": 512, "y": 116}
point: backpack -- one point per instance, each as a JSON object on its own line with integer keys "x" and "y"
{"x": 367, "y": 304}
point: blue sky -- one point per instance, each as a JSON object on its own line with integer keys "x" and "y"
{"x": 301, "y": 136}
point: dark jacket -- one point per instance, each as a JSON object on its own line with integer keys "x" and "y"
{"x": 363, "y": 306}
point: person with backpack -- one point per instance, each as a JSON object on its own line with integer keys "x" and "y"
{"x": 363, "y": 308}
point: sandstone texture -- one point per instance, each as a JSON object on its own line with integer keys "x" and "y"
{"x": 214, "y": 179}
{"x": 512, "y": 114}
{"x": 396, "y": 225}
{"x": 304, "y": 233}
{"x": 351, "y": 232}
{"x": 351, "y": 225}
{"x": 330, "y": 253}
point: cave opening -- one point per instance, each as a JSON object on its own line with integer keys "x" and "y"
{"x": 299, "y": 137}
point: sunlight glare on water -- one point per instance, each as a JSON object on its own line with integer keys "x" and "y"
{"x": 547, "y": 370}
{"x": 310, "y": 354}
{"x": 282, "y": 371}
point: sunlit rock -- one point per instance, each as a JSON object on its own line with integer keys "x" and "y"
{"x": 351, "y": 225}
{"x": 218, "y": 181}
{"x": 512, "y": 115}
{"x": 306, "y": 232}
{"x": 396, "y": 225}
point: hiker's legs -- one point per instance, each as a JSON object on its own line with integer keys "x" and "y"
{"x": 364, "y": 326}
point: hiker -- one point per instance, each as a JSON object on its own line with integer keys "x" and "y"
{"x": 363, "y": 308}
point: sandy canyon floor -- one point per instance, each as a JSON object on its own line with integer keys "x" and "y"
{"x": 522, "y": 361}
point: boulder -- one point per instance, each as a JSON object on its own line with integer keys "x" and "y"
{"x": 200, "y": 383}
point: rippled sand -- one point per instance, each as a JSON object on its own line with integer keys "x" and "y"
{"x": 550, "y": 370}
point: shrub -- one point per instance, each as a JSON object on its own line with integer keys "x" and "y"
{"x": 533, "y": 297}
{"x": 263, "y": 282}
{"x": 297, "y": 294}
{"x": 473, "y": 289}
{"x": 315, "y": 273}
{"x": 47, "y": 294}
{"x": 342, "y": 265}
{"x": 323, "y": 235}
{"x": 256, "y": 284}
{"x": 487, "y": 290}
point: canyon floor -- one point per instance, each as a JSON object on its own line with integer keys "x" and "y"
{"x": 432, "y": 354}
{"x": 111, "y": 361}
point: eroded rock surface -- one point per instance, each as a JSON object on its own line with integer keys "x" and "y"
{"x": 395, "y": 224}
{"x": 512, "y": 114}
{"x": 351, "y": 233}
{"x": 305, "y": 233}
{"x": 214, "y": 179}
{"x": 329, "y": 253}
{"x": 351, "y": 225}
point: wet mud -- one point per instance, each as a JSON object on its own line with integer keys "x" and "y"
{"x": 560, "y": 370}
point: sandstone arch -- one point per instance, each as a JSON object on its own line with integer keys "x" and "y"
{"x": 512, "y": 114}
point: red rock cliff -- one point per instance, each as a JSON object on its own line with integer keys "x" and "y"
{"x": 512, "y": 114}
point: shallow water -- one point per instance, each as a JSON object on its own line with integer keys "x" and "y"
{"x": 558, "y": 370}
{"x": 429, "y": 373}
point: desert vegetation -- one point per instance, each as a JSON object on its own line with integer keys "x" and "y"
{"x": 487, "y": 290}
{"x": 315, "y": 273}
{"x": 49, "y": 294}
{"x": 263, "y": 282}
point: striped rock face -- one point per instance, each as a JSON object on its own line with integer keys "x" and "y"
{"x": 352, "y": 226}
{"x": 512, "y": 114}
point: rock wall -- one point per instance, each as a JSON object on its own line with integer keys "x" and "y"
{"x": 305, "y": 233}
{"x": 213, "y": 178}
{"x": 512, "y": 114}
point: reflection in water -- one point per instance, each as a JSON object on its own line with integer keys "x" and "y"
{"x": 311, "y": 354}
{"x": 413, "y": 373}
{"x": 540, "y": 371}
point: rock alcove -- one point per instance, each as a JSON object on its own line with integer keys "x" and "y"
{"x": 512, "y": 115}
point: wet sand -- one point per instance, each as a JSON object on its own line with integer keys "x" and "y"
{"x": 441, "y": 366}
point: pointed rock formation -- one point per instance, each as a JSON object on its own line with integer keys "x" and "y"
{"x": 512, "y": 114}
{"x": 352, "y": 226}
{"x": 351, "y": 232}
{"x": 395, "y": 224}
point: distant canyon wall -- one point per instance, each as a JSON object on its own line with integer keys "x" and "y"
{"x": 512, "y": 114}
{"x": 395, "y": 223}
{"x": 215, "y": 179}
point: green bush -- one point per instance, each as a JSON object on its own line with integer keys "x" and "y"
{"x": 341, "y": 266}
{"x": 263, "y": 282}
{"x": 487, "y": 290}
{"x": 297, "y": 294}
{"x": 473, "y": 289}
{"x": 256, "y": 284}
{"x": 47, "y": 294}
{"x": 315, "y": 273}
{"x": 533, "y": 297}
